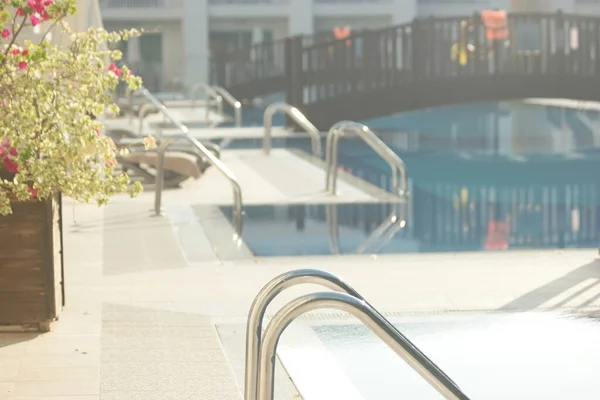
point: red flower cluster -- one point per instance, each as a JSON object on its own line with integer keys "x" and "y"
{"x": 23, "y": 53}
{"x": 38, "y": 8}
{"x": 8, "y": 154}
{"x": 114, "y": 69}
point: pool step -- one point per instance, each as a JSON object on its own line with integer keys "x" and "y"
{"x": 280, "y": 177}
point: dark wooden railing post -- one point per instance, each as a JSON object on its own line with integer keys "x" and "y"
{"x": 294, "y": 73}
{"x": 417, "y": 50}
{"x": 597, "y": 47}
{"x": 562, "y": 41}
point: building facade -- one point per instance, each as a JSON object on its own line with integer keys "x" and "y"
{"x": 182, "y": 33}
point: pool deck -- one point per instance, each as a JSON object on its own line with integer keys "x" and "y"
{"x": 140, "y": 316}
{"x": 139, "y": 320}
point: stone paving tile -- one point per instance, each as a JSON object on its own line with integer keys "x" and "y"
{"x": 94, "y": 397}
{"x": 174, "y": 354}
{"x": 8, "y": 373}
{"x": 51, "y": 360}
{"x": 57, "y": 388}
{"x": 57, "y": 374}
{"x": 171, "y": 395}
{"x": 135, "y": 242}
{"x": 63, "y": 344}
{"x": 6, "y": 389}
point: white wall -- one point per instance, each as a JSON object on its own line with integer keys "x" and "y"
{"x": 172, "y": 43}
{"x": 196, "y": 53}
{"x": 301, "y": 17}
{"x": 279, "y": 26}
{"x": 404, "y": 11}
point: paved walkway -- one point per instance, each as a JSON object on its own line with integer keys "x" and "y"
{"x": 139, "y": 317}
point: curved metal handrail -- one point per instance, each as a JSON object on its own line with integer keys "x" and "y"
{"x": 370, "y": 318}
{"x": 259, "y": 306}
{"x": 210, "y": 94}
{"x": 399, "y": 176}
{"x": 129, "y": 100}
{"x": 156, "y": 104}
{"x": 233, "y": 102}
{"x": 143, "y": 113}
{"x": 298, "y": 117}
{"x": 218, "y": 164}
{"x": 265, "y": 296}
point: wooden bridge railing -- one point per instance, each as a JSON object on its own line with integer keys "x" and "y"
{"x": 313, "y": 68}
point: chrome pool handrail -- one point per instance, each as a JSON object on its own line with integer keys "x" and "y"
{"x": 143, "y": 112}
{"x": 254, "y": 331}
{"x": 156, "y": 104}
{"x": 210, "y": 93}
{"x": 371, "y": 318}
{"x": 258, "y": 309}
{"x": 233, "y": 102}
{"x": 399, "y": 176}
{"x": 298, "y": 117}
{"x": 238, "y": 213}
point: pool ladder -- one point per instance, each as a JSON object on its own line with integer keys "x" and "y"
{"x": 261, "y": 349}
{"x": 211, "y": 154}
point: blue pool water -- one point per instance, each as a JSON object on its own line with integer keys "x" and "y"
{"x": 487, "y": 176}
{"x": 490, "y": 356}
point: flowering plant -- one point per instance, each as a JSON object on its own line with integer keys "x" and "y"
{"x": 50, "y": 140}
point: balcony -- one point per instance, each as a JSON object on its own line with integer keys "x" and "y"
{"x": 139, "y": 10}
{"x": 248, "y": 8}
{"x": 352, "y": 8}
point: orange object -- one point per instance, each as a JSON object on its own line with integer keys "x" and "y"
{"x": 496, "y": 25}
{"x": 497, "y": 235}
{"x": 342, "y": 32}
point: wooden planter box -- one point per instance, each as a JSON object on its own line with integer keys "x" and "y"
{"x": 31, "y": 265}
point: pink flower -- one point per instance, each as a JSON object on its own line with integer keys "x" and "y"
{"x": 35, "y": 20}
{"x": 10, "y": 165}
{"x": 25, "y": 53}
{"x": 5, "y": 33}
{"x": 16, "y": 52}
{"x": 114, "y": 69}
{"x": 23, "y": 65}
{"x": 8, "y": 154}
{"x": 20, "y": 12}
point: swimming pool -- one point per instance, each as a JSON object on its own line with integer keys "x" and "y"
{"x": 488, "y": 176}
{"x": 490, "y": 356}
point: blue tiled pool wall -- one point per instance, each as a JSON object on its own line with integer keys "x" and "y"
{"x": 549, "y": 199}
{"x": 302, "y": 229}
